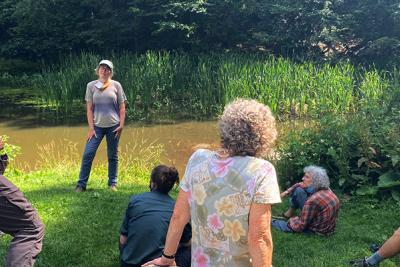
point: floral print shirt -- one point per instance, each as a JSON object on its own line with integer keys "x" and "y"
{"x": 221, "y": 191}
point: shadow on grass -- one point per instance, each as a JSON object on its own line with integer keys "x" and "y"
{"x": 82, "y": 229}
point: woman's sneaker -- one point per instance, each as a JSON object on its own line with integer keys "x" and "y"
{"x": 361, "y": 263}
{"x": 113, "y": 188}
{"x": 79, "y": 189}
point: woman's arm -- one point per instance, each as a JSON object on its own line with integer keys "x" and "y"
{"x": 122, "y": 113}
{"x": 290, "y": 190}
{"x": 260, "y": 239}
{"x": 89, "y": 115}
{"x": 123, "y": 239}
{"x": 179, "y": 219}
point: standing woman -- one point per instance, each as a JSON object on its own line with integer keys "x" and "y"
{"x": 227, "y": 194}
{"x": 105, "y": 104}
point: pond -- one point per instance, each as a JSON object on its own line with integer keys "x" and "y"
{"x": 178, "y": 140}
{"x": 33, "y": 128}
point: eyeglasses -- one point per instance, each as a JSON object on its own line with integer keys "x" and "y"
{"x": 104, "y": 68}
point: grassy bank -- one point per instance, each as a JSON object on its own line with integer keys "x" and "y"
{"x": 82, "y": 229}
{"x": 198, "y": 86}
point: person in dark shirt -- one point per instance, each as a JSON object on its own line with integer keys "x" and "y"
{"x": 20, "y": 220}
{"x": 145, "y": 226}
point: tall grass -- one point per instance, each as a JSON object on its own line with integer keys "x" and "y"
{"x": 198, "y": 86}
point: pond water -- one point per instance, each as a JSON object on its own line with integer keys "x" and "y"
{"x": 33, "y": 128}
{"x": 178, "y": 140}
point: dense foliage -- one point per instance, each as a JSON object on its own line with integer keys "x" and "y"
{"x": 11, "y": 150}
{"x": 187, "y": 86}
{"x": 364, "y": 30}
{"x": 361, "y": 152}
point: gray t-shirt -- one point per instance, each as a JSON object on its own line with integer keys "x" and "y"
{"x": 105, "y": 103}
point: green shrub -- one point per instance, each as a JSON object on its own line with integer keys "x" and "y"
{"x": 11, "y": 150}
{"x": 17, "y": 67}
{"x": 361, "y": 152}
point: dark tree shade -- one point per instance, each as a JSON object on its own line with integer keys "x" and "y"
{"x": 363, "y": 30}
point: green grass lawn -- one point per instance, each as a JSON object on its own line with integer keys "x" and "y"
{"x": 82, "y": 229}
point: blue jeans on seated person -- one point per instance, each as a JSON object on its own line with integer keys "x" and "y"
{"x": 90, "y": 152}
{"x": 281, "y": 225}
{"x": 297, "y": 200}
{"x": 300, "y": 196}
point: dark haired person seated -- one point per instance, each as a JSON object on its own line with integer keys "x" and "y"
{"x": 146, "y": 222}
{"x": 20, "y": 220}
{"x": 319, "y": 205}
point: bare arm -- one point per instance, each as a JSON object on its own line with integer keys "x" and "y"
{"x": 89, "y": 115}
{"x": 179, "y": 219}
{"x": 122, "y": 113}
{"x": 260, "y": 239}
{"x": 290, "y": 190}
{"x": 123, "y": 239}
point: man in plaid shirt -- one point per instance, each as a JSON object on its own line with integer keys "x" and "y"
{"x": 318, "y": 210}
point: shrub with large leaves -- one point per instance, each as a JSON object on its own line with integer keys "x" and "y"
{"x": 360, "y": 151}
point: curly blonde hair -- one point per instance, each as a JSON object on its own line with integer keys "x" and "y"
{"x": 247, "y": 128}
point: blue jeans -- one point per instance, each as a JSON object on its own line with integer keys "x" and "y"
{"x": 90, "y": 152}
{"x": 299, "y": 197}
{"x": 297, "y": 200}
{"x": 281, "y": 225}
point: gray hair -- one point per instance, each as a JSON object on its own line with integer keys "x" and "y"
{"x": 247, "y": 128}
{"x": 320, "y": 179}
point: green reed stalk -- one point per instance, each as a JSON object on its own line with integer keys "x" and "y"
{"x": 162, "y": 84}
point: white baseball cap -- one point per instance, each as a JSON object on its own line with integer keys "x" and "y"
{"x": 107, "y": 63}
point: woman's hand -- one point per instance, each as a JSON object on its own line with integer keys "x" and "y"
{"x": 301, "y": 185}
{"x": 1, "y": 144}
{"x": 90, "y": 134}
{"x": 118, "y": 131}
{"x": 161, "y": 261}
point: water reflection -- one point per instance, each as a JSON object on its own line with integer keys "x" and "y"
{"x": 178, "y": 140}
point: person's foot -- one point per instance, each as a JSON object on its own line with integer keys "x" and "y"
{"x": 361, "y": 263}
{"x": 113, "y": 188}
{"x": 288, "y": 214}
{"x": 79, "y": 189}
{"x": 374, "y": 248}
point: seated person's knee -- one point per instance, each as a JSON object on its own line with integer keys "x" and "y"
{"x": 397, "y": 233}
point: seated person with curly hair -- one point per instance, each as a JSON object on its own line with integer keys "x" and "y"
{"x": 146, "y": 222}
{"x": 319, "y": 205}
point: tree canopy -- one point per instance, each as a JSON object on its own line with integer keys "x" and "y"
{"x": 363, "y": 30}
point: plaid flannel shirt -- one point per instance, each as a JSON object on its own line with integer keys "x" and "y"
{"x": 318, "y": 214}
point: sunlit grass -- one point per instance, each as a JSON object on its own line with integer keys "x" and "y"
{"x": 82, "y": 229}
